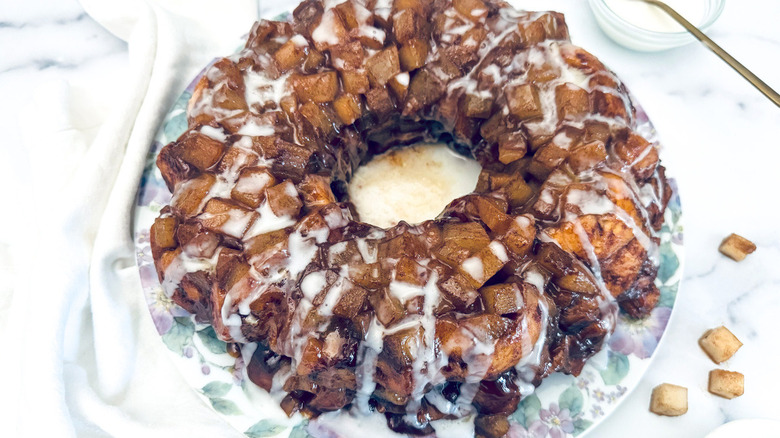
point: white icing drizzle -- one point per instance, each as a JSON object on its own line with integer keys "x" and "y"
{"x": 184, "y": 264}
{"x": 473, "y": 267}
{"x": 260, "y": 89}
{"x": 253, "y": 183}
{"x": 217, "y": 134}
{"x": 252, "y": 129}
{"x": 405, "y": 291}
{"x": 268, "y": 222}
{"x": 528, "y": 366}
{"x": 313, "y": 284}
{"x": 323, "y": 33}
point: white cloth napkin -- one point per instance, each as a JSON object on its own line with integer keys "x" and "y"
{"x": 80, "y": 356}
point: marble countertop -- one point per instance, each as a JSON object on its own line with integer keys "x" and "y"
{"x": 720, "y": 141}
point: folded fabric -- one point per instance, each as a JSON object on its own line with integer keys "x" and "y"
{"x": 86, "y": 359}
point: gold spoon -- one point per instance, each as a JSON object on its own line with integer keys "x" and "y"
{"x": 741, "y": 69}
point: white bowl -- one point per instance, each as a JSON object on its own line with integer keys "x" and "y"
{"x": 634, "y": 37}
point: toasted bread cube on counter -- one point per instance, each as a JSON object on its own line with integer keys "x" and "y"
{"x": 318, "y": 87}
{"x": 719, "y": 344}
{"x": 727, "y": 384}
{"x": 736, "y": 247}
{"x": 524, "y": 102}
{"x": 670, "y": 400}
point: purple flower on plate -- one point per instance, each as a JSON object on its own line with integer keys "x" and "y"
{"x": 159, "y": 306}
{"x": 238, "y": 370}
{"x": 558, "y": 421}
{"x": 154, "y": 194}
{"x": 536, "y": 429}
{"x": 640, "y": 336}
{"x": 584, "y": 380}
{"x": 596, "y": 411}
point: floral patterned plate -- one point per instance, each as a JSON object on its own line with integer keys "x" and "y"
{"x": 563, "y": 406}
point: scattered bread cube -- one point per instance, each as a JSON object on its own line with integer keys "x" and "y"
{"x": 719, "y": 344}
{"x": 670, "y": 400}
{"x": 736, "y": 247}
{"x": 727, "y": 384}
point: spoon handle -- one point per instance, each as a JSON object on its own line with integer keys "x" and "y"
{"x": 741, "y": 69}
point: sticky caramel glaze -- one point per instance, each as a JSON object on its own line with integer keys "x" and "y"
{"x": 458, "y": 315}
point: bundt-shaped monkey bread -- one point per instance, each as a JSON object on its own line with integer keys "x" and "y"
{"x": 462, "y": 314}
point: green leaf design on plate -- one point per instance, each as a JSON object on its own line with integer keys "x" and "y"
{"x": 226, "y": 407}
{"x": 527, "y": 411}
{"x": 299, "y": 431}
{"x": 580, "y": 425}
{"x": 180, "y": 334}
{"x": 668, "y": 295}
{"x": 669, "y": 265}
{"x": 265, "y": 428}
{"x": 617, "y": 369}
{"x": 209, "y": 338}
{"x": 571, "y": 399}
{"x": 175, "y": 127}
{"x": 217, "y": 389}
